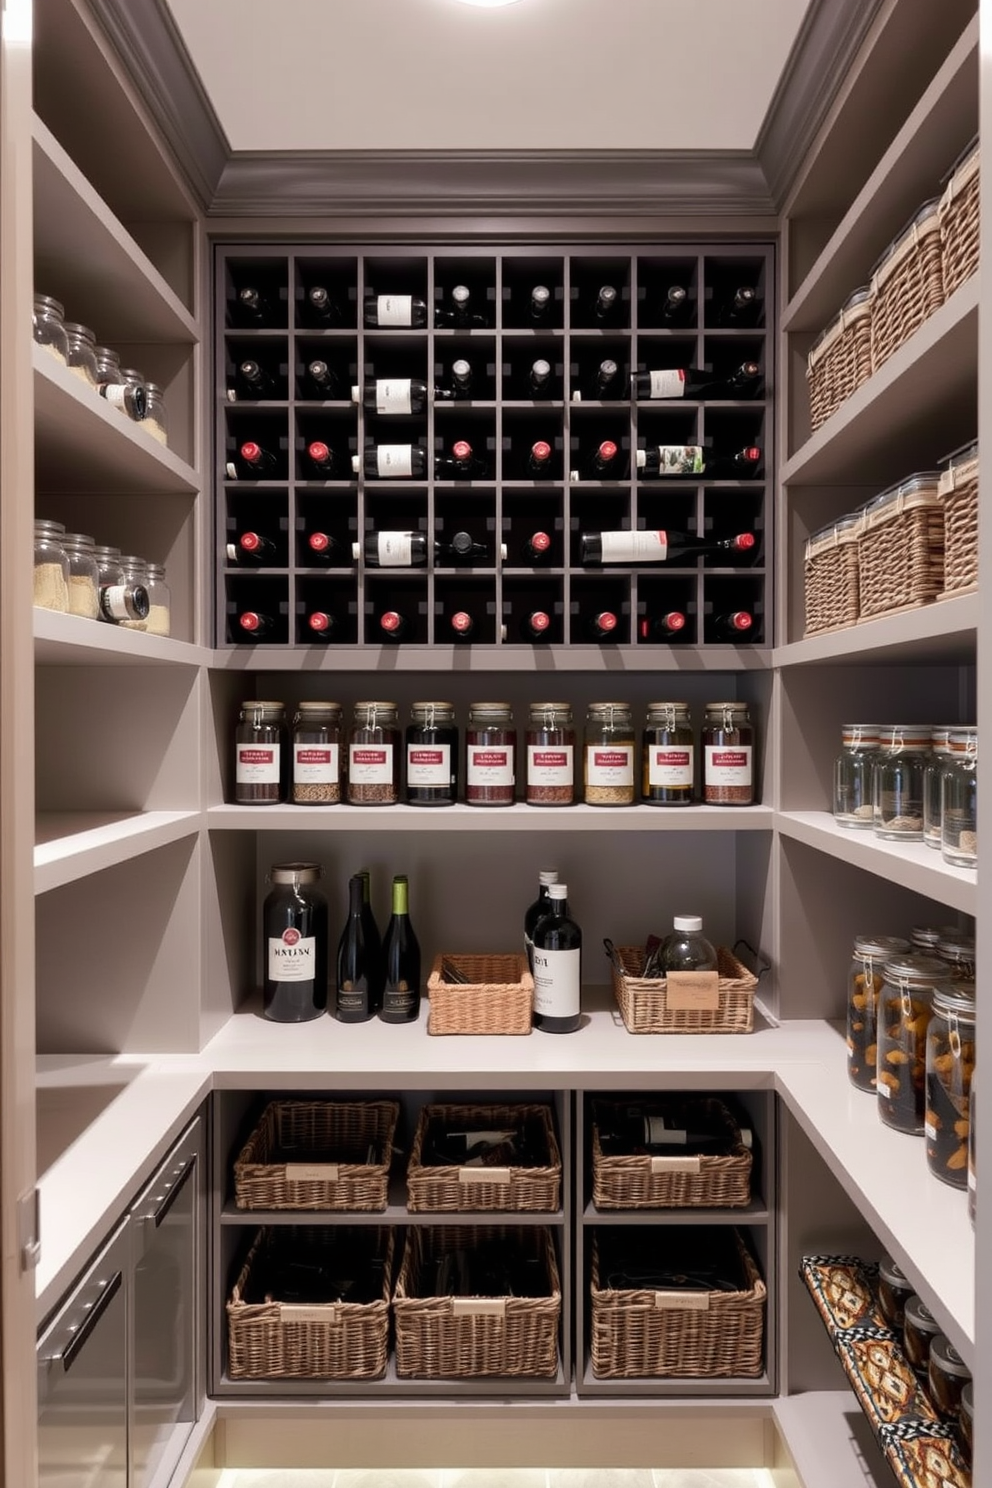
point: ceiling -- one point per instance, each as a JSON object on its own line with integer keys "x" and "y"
{"x": 541, "y": 74}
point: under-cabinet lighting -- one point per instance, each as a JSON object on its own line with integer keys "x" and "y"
{"x": 489, "y": 4}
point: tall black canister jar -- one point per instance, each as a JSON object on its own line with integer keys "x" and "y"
{"x": 294, "y": 944}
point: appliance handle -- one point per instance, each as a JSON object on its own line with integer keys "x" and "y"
{"x": 67, "y": 1356}
{"x": 159, "y": 1213}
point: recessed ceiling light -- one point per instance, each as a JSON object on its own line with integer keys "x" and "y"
{"x": 489, "y": 4}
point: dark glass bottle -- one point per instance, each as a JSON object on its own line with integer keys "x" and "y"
{"x": 252, "y": 548}
{"x": 359, "y": 965}
{"x": 392, "y": 462}
{"x": 294, "y": 953}
{"x": 539, "y": 459}
{"x": 540, "y": 303}
{"x": 557, "y": 966}
{"x": 603, "y": 464}
{"x": 668, "y": 627}
{"x": 462, "y": 464}
{"x": 393, "y": 626}
{"x": 602, "y": 626}
{"x": 741, "y": 308}
{"x": 458, "y": 314}
{"x": 319, "y": 461}
{"x": 252, "y": 307}
{"x": 323, "y": 548}
{"x": 322, "y": 626}
{"x": 534, "y": 912}
{"x": 698, "y": 459}
{"x": 252, "y": 380}
{"x": 639, "y": 547}
{"x": 320, "y": 380}
{"x": 535, "y": 625}
{"x": 252, "y": 462}
{"x": 384, "y": 311}
{"x": 697, "y": 382}
{"x": 462, "y": 626}
{"x": 676, "y": 306}
{"x": 319, "y": 308}
{"x": 254, "y": 626}
{"x": 604, "y": 382}
{"x": 607, "y": 304}
{"x": 737, "y": 625}
{"x": 539, "y": 378}
{"x": 401, "y": 954}
{"x": 537, "y": 548}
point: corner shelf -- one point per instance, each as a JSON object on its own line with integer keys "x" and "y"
{"x": 71, "y": 640}
{"x": 74, "y": 844}
{"x": 946, "y": 631}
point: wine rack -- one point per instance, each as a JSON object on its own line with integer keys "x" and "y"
{"x": 502, "y": 420}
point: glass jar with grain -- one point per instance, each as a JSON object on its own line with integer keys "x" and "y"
{"x": 854, "y": 775}
{"x": 490, "y": 755}
{"x": 51, "y": 566}
{"x": 156, "y": 420}
{"x": 81, "y": 354}
{"x": 949, "y": 1071}
{"x": 609, "y": 755}
{"x": 864, "y": 983}
{"x": 261, "y": 744}
{"x": 136, "y": 576}
{"x": 668, "y": 756}
{"x": 317, "y": 754}
{"x": 374, "y": 745}
{"x": 728, "y": 755}
{"x": 940, "y": 749}
{"x": 159, "y": 620}
{"x": 959, "y": 801}
{"x": 550, "y": 755}
{"x": 84, "y": 575}
{"x": 905, "y": 1007}
{"x": 49, "y": 327}
{"x": 904, "y": 750}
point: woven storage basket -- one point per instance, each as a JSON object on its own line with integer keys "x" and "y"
{"x": 901, "y": 548}
{"x": 646, "y": 1334}
{"x": 643, "y": 1001}
{"x": 645, "y": 1181}
{"x": 316, "y": 1130}
{"x": 452, "y": 1189}
{"x": 959, "y": 222}
{"x": 466, "y": 1337}
{"x": 958, "y": 492}
{"x": 907, "y": 284}
{"x": 329, "y": 1340}
{"x": 831, "y": 576}
{"x": 498, "y": 997}
{"x": 840, "y": 359}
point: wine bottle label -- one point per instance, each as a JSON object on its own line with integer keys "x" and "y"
{"x": 681, "y": 459}
{"x": 548, "y": 765}
{"x": 428, "y": 764}
{"x": 634, "y": 547}
{"x": 658, "y": 1133}
{"x": 490, "y": 766}
{"x": 395, "y": 549}
{"x": 395, "y": 310}
{"x": 557, "y": 982}
{"x": 610, "y": 764}
{"x": 394, "y": 459}
{"x": 292, "y": 957}
{"x": 315, "y": 764}
{"x": 370, "y": 764}
{"x": 727, "y": 765}
{"x": 394, "y": 395}
{"x": 257, "y": 764}
{"x": 668, "y": 384}
{"x": 668, "y": 766}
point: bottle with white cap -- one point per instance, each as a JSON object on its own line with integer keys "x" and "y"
{"x": 687, "y": 948}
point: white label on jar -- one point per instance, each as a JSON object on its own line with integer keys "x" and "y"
{"x": 883, "y": 1089}
{"x": 490, "y": 764}
{"x": 292, "y": 957}
{"x": 557, "y": 982}
{"x": 116, "y": 394}
{"x": 550, "y": 764}
{"x": 394, "y": 459}
{"x": 315, "y": 764}
{"x": 428, "y": 764}
{"x": 930, "y": 1131}
{"x": 370, "y": 764}
{"x": 669, "y": 765}
{"x": 395, "y": 310}
{"x": 728, "y": 764}
{"x": 634, "y": 547}
{"x": 395, "y": 549}
{"x": 668, "y": 384}
{"x": 258, "y": 764}
{"x": 610, "y": 764}
{"x": 114, "y": 601}
{"x": 394, "y": 395}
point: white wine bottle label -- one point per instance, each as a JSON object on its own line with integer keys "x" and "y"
{"x": 634, "y": 547}
{"x": 370, "y": 764}
{"x": 490, "y": 765}
{"x": 610, "y": 764}
{"x": 292, "y": 957}
{"x": 395, "y": 549}
{"x": 659, "y": 1134}
{"x": 669, "y": 766}
{"x": 315, "y": 764}
{"x": 428, "y": 764}
{"x": 394, "y": 459}
{"x": 395, "y": 310}
{"x": 681, "y": 459}
{"x": 258, "y": 764}
{"x": 394, "y": 395}
{"x": 728, "y": 764}
{"x": 550, "y": 764}
{"x": 557, "y": 982}
{"x": 668, "y": 384}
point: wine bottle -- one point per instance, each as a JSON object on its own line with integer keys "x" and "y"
{"x": 696, "y": 382}
{"x": 742, "y": 308}
{"x": 458, "y": 314}
{"x": 389, "y": 310}
{"x": 121, "y": 603}
{"x": 294, "y": 943}
{"x": 540, "y": 303}
{"x": 461, "y": 626}
{"x": 736, "y": 625}
{"x": 537, "y": 548}
{"x": 667, "y": 627}
{"x": 603, "y": 464}
{"x": 676, "y": 305}
{"x": 539, "y": 458}
{"x": 126, "y": 397}
{"x": 252, "y": 380}
{"x": 253, "y": 306}
{"x": 391, "y": 395}
{"x": 461, "y": 378}
{"x": 252, "y": 549}
{"x": 254, "y": 625}
{"x": 697, "y": 459}
{"x": 656, "y": 546}
{"x": 607, "y": 303}
{"x": 539, "y": 378}
{"x": 463, "y": 548}
{"x": 536, "y": 625}
{"x": 673, "y": 1128}
{"x": 401, "y": 954}
{"x": 372, "y": 936}
{"x": 320, "y": 460}
{"x": 320, "y": 308}
{"x": 546, "y": 877}
{"x": 320, "y": 380}
{"x": 604, "y": 382}
{"x": 392, "y": 549}
{"x": 392, "y": 461}
{"x": 322, "y": 625}
{"x": 603, "y": 626}
{"x": 557, "y": 966}
{"x": 323, "y": 548}
{"x": 393, "y": 626}
{"x": 462, "y": 464}
{"x": 359, "y": 969}
{"x": 252, "y": 462}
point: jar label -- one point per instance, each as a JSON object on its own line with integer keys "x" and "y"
{"x": 428, "y": 764}
{"x": 489, "y": 765}
{"x": 315, "y": 764}
{"x": 394, "y": 310}
{"x": 634, "y": 547}
{"x": 292, "y": 957}
{"x": 668, "y": 384}
{"x": 258, "y": 764}
{"x": 395, "y": 549}
{"x": 557, "y": 982}
{"x": 669, "y": 766}
{"x": 728, "y": 765}
{"x": 394, "y": 395}
{"x": 370, "y": 764}
{"x": 610, "y": 764}
{"x": 394, "y": 459}
{"x": 550, "y": 764}
{"x": 692, "y": 991}
{"x": 115, "y": 601}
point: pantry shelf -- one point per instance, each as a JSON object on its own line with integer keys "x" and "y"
{"x": 548, "y": 660}
{"x": 517, "y": 818}
{"x": 829, "y": 1440}
{"x": 72, "y": 845}
{"x": 590, "y": 1386}
{"x": 71, "y": 640}
{"x": 946, "y": 631}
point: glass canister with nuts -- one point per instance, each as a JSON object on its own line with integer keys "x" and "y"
{"x": 905, "y": 1007}
{"x": 608, "y": 773}
{"x": 950, "y": 1067}
{"x": 864, "y": 983}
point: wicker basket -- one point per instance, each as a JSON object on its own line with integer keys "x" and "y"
{"x": 907, "y": 284}
{"x": 497, "y": 998}
{"x": 468, "y": 1337}
{"x": 643, "y": 1001}
{"x": 840, "y": 359}
{"x": 317, "y": 1129}
{"x": 454, "y": 1189}
{"x": 329, "y": 1340}
{"x": 959, "y": 222}
{"x": 958, "y": 492}
{"x": 649, "y": 1335}
{"x": 645, "y": 1181}
{"x": 831, "y": 576}
{"x": 901, "y": 548}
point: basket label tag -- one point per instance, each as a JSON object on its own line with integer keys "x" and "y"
{"x": 692, "y": 991}
{"x": 682, "y": 1301}
{"x": 478, "y": 1307}
{"x": 311, "y": 1172}
{"x": 483, "y": 1175}
{"x": 675, "y": 1165}
{"x": 291, "y": 1312}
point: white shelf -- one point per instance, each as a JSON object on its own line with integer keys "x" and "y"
{"x": 104, "y": 278}
{"x": 70, "y": 640}
{"x": 945, "y": 631}
{"x": 911, "y": 865}
{"x": 547, "y": 660}
{"x": 830, "y": 1441}
{"x": 73, "y": 844}
{"x": 517, "y": 818}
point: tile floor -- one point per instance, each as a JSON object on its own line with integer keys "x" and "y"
{"x": 735, "y": 1477}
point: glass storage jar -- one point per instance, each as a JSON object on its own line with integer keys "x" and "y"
{"x": 728, "y": 755}
{"x": 432, "y": 755}
{"x": 940, "y": 749}
{"x": 374, "y": 755}
{"x": 898, "y": 800}
{"x": 156, "y": 418}
{"x": 550, "y": 755}
{"x": 490, "y": 755}
{"x": 608, "y": 772}
{"x": 159, "y": 620}
{"x": 928, "y": 937}
{"x": 295, "y": 945}
{"x": 972, "y": 1150}
{"x": 947, "y": 1375}
{"x": 854, "y": 771}
{"x": 668, "y": 756}
{"x": 317, "y": 754}
{"x": 51, "y": 566}
{"x": 261, "y": 770}
{"x": 135, "y": 571}
{"x": 81, "y": 354}
{"x": 958, "y": 951}
{"x": 905, "y": 1006}
{"x": 84, "y": 575}
{"x": 49, "y": 327}
{"x": 964, "y": 1431}
{"x": 959, "y": 801}
{"x": 864, "y": 983}
{"x": 919, "y": 1329}
{"x": 108, "y": 371}
{"x": 894, "y": 1291}
{"x": 950, "y": 1067}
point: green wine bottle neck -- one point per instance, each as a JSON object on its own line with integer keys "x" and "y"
{"x": 366, "y": 878}
{"x": 401, "y": 896}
